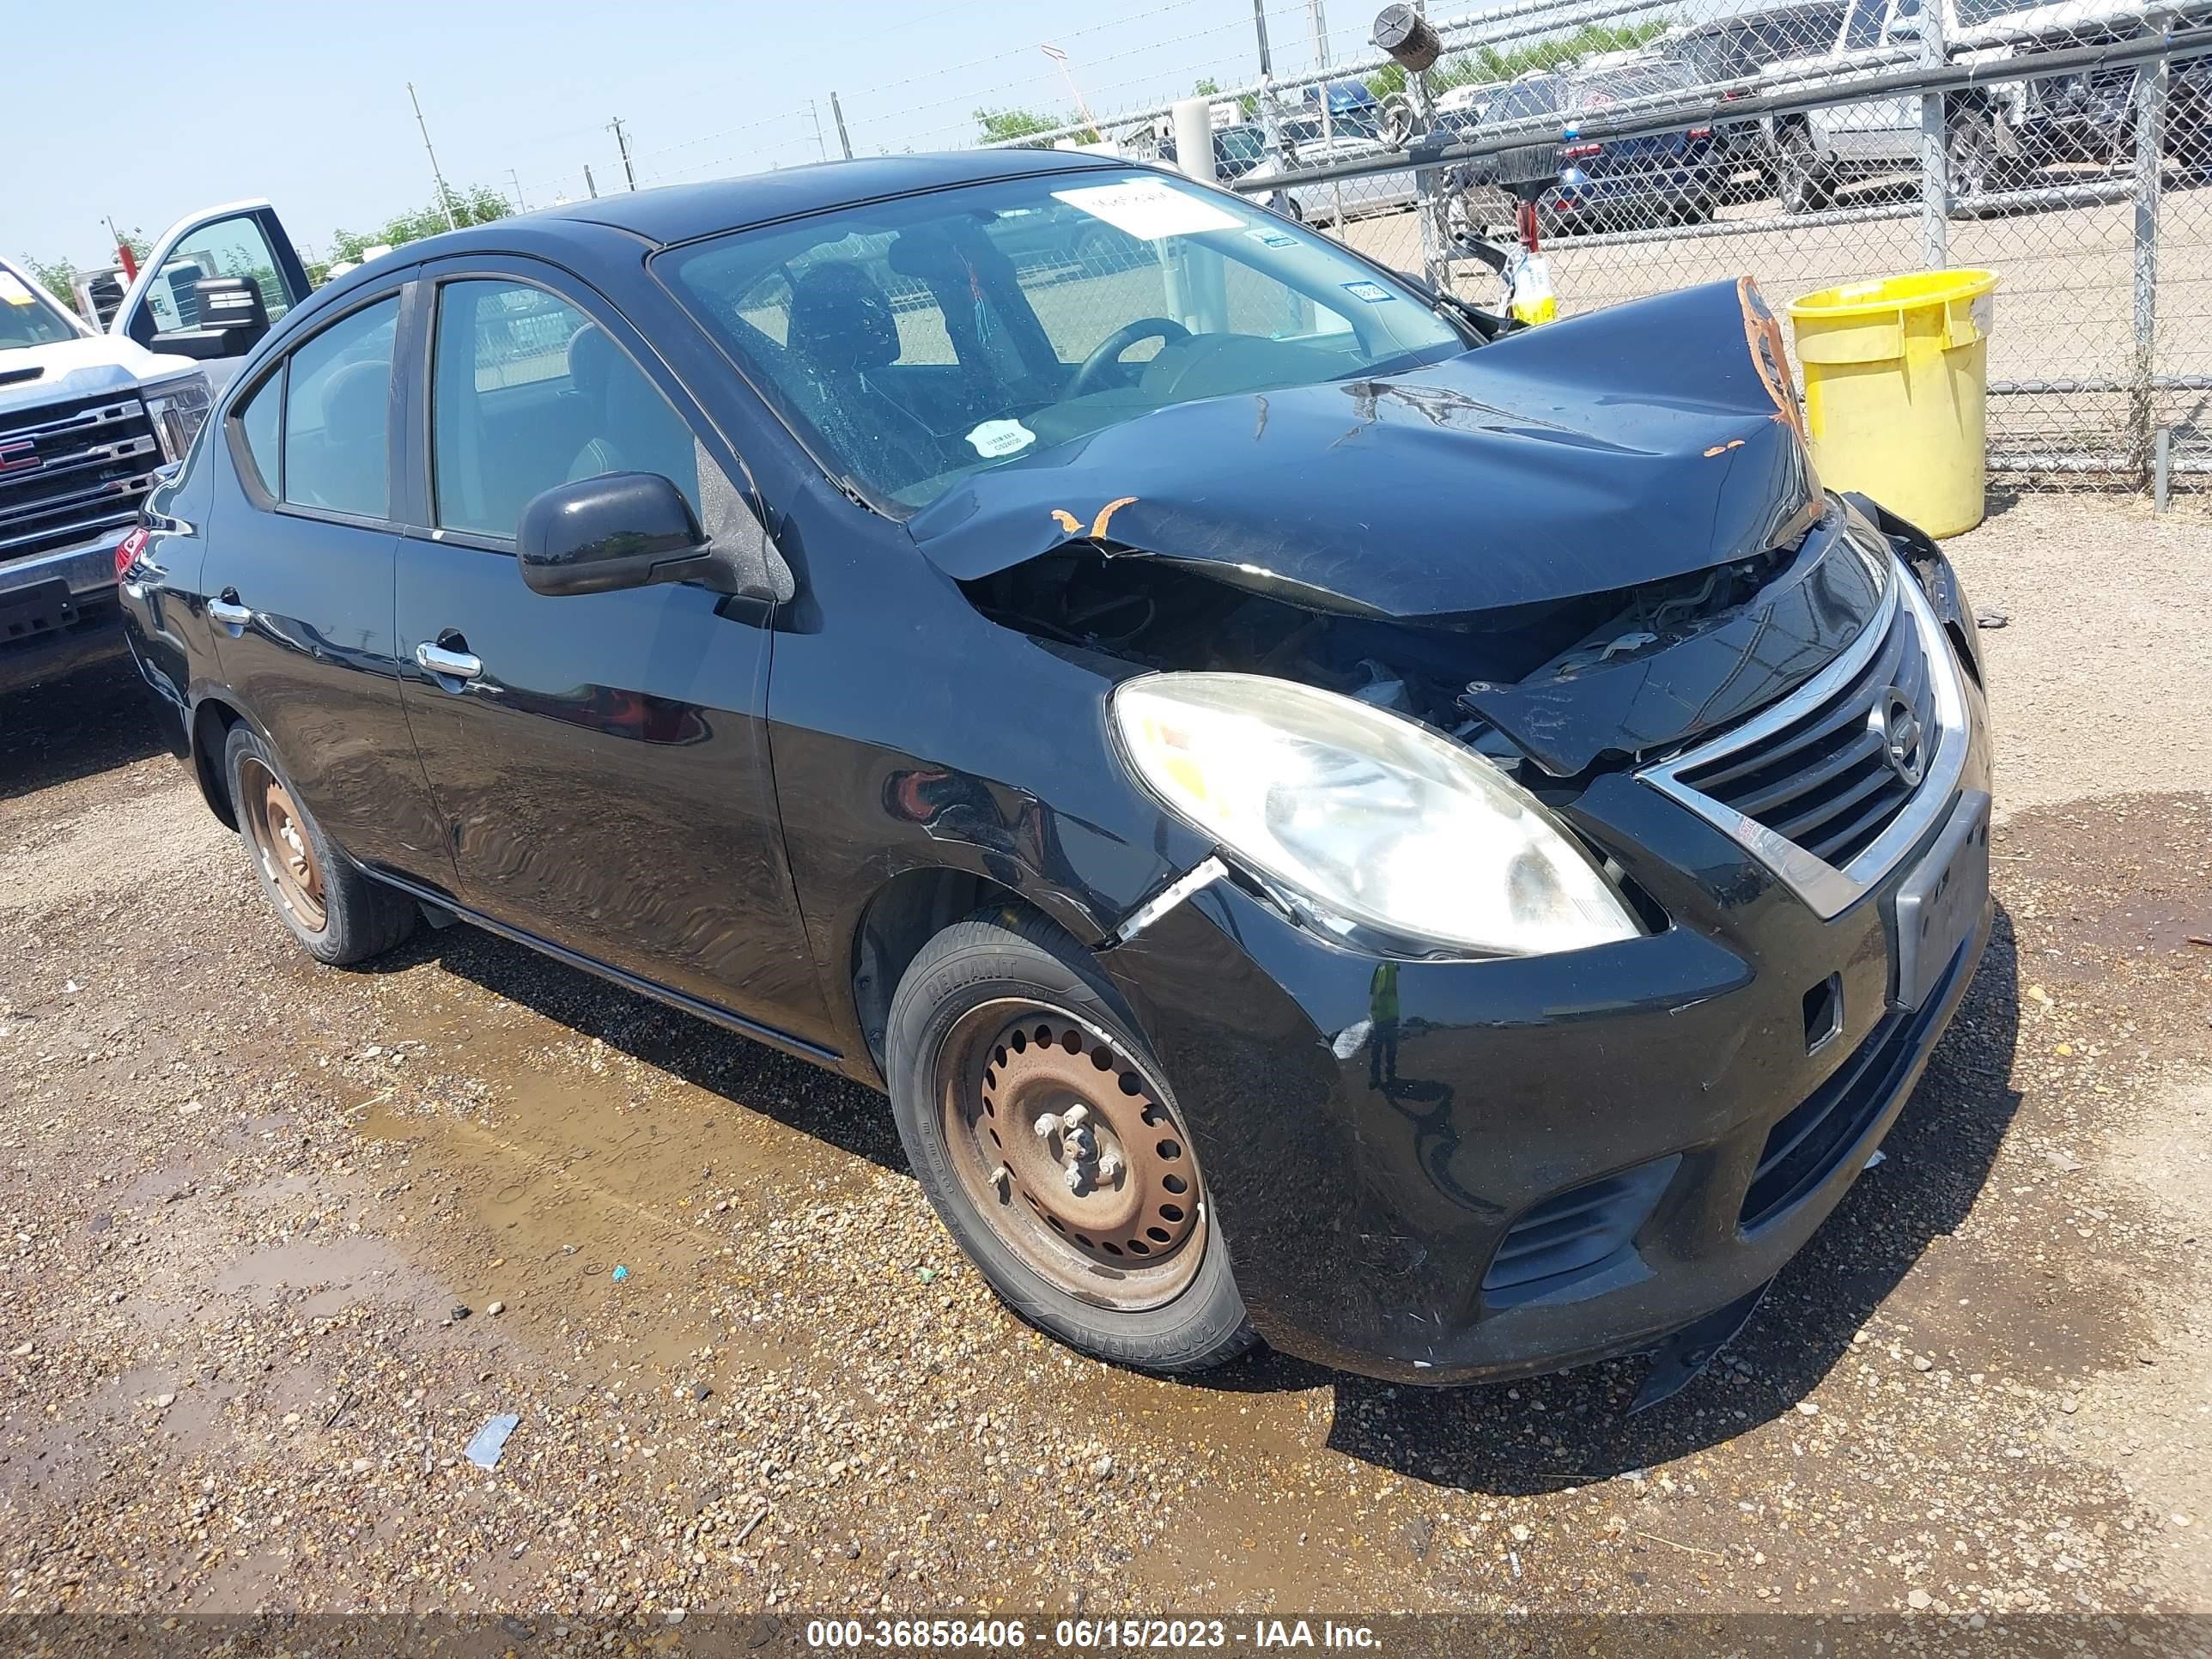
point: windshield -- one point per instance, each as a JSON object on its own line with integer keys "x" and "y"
{"x": 27, "y": 318}
{"x": 914, "y": 342}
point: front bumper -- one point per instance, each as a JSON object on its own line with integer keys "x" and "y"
{"x": 92, "y": 629}
{"x": 1366, "y": 1195}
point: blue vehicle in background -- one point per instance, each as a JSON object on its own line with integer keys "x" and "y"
{"x": 1671, "y": 178}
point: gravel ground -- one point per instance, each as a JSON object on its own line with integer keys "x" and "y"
{"x": 248, "y": 1201}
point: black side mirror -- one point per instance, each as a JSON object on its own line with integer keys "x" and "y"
{"x": 619, "y": 530}
{"x": 232, "y": 318}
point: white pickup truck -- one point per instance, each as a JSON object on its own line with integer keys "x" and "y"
{"x": 87, "y": 419}
{"x": 1994, "y": 135}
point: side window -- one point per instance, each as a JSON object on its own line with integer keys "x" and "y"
{"x": 1864, "y": 28}
{"x": 259, "y": 420}
{"x": 528, "y": 393}
{"x": 338, "y": 413}
{"x": 228, "y": 247}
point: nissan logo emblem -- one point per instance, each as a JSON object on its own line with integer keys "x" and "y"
{"x": 1899, "y": 730}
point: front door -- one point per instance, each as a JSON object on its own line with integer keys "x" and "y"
{"x": 297, "y": 584}
{"x": 601, "y": 760}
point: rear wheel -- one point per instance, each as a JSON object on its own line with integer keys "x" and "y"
{"x": 1039, "y": 1124}
{"x": 338, "y": 914}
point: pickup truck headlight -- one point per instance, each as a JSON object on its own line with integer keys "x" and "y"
{"x": 179, "y": 407}
{"x": 1379, "y": 820}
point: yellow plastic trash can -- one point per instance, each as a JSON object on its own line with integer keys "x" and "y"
{"x": 1895, "y": 373}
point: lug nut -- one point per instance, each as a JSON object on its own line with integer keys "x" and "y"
{"x": 1048, "y": 1125}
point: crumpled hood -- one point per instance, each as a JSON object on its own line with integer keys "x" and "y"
{"x": 1644, "y": 441}
{"x": 80, "y": 368}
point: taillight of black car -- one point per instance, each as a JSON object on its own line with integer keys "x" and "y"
{"x": 128, "y": 550}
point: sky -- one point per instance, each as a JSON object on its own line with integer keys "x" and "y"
{"x": 307, "y": 105}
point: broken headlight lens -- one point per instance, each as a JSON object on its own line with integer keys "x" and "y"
{"x": 1379, "y": 820}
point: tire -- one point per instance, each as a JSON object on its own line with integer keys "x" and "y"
{"x": 1801, "y": 179}
{"x": 1977, "y": 163}
{"x": 337, "y": 915}
{"x": 960, "y": 1046}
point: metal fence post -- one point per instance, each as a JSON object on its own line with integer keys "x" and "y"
{"x": 2150, "y": 94}
{"x": 1935, "y": 147}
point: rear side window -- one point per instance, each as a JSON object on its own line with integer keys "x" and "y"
{"x": 261, "y": 419}
{"x": 527, "y": 393}
{"x": 1526, "y": 99}
{"x": 337, "y": 412}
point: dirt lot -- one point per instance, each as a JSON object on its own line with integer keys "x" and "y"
{"x": 248, "y": 1199}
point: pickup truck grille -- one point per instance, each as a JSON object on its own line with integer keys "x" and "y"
{"x": 71, "y": 471}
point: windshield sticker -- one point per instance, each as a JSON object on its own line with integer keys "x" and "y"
{"x": 1148, "y": 209}
{"x": 1267, "y": 238}
{"x": 1374, "y": 293}
{"x": 13, "y": 291}
{"x": 996, "y": 438}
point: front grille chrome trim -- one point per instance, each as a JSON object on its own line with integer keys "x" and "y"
{"x": 1825, "y": 889}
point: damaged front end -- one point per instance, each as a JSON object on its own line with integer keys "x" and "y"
{"x": 1571, "y": 549}
{"x": 1574, "y": 608}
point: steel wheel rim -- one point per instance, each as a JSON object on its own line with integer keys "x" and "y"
{"x": 1109, "y": 1208}
{"x": 280, "y": 843}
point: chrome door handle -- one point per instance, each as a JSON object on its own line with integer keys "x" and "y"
{"x": 231, "y": 616}
{"x": 453, "y": 665}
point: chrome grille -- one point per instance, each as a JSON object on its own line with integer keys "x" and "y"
{"x": 1824, "y": 782}
{"x": 70, "y": 472}
{"x": 1806, "y": 785}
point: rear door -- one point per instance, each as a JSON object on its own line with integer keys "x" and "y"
{"x": 601, "y": 770}
{"x": 240, "y": 238}
{"x": 297, "y": 581}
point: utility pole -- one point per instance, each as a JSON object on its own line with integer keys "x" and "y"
{"x": 844, "y": 142}
{"x": 445, "y": 196}
{"x": 512, "y": 178}
{"x": 124, "y": 256}
{"x": 1074, "y": 91}
{"x": 621, "y": 144}
{"x": 1269, "y": 126}
{"x": 588, "y": 184}
{"x": 815, "y": 110}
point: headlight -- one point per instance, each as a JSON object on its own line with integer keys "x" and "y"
{"x": 179, "y": 408}
{"x": 1378, "y": 820}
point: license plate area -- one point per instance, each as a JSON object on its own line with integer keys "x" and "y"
{"x": 31, "y": 613}
{"x": 1941, "y": 903}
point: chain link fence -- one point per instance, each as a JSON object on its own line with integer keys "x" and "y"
{"x": 2071, "y": 157}
{"x": 1813, "y": 144}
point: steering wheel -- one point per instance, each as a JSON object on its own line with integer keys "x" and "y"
{"x": 1110, "y": 349}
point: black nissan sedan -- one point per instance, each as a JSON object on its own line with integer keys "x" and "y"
{"x": 1335, "y": 821}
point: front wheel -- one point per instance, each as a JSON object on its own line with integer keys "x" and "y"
{"x": 1039, "y": 1124}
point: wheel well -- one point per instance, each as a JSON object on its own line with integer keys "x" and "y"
{"x": 211, "y": 724}
{"x": 912, "y": 909}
